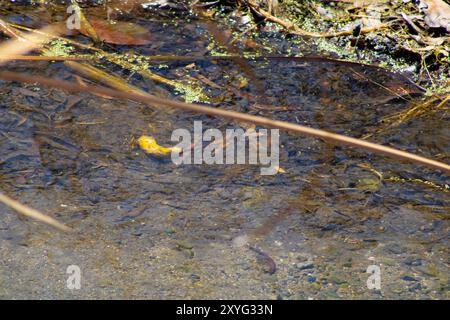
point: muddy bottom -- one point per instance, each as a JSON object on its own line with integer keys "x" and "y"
{"x": 149, "y": 229}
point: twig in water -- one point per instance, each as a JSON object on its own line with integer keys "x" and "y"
{"x": 239, "y": 116}
{"x": 29, "y": 212}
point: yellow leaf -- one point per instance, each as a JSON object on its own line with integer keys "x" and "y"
{"x": 149, "y": 145}
{"x": 280, "y": 170}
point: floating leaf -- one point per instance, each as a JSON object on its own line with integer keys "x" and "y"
{"x": 119, "y": 32}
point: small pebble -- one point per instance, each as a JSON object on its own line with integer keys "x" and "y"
{"x": 413, "y": 262}
{"x": 195, "y": 277}
{"x": 408, "y": 278}
{"x": 240, "y": 241}
{"x": 305, "y": 265}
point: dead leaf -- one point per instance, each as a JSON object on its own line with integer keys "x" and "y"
{"x": 122, "y": 33}
{"x": 437, "y": 13}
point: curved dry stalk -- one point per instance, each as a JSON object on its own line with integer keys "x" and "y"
{"x": 153, "y": 100}
{"x": 32, "y": 213}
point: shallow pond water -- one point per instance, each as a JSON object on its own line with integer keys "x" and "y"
{"x": 150, "y": 229}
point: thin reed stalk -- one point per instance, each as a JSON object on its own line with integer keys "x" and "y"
{"x": 233, "y": 115}
{"x": 32, "y": 213}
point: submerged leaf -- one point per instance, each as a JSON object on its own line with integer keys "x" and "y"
{"x": 437, "y": 13}
{"x": 119, "y": 32}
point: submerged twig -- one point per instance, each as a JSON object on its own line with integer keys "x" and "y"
{"x": 32, "y": 213}
{"x": 153, "y": 100}
{"x": 103, "y": 77}
{"x": 271, "y": 266}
